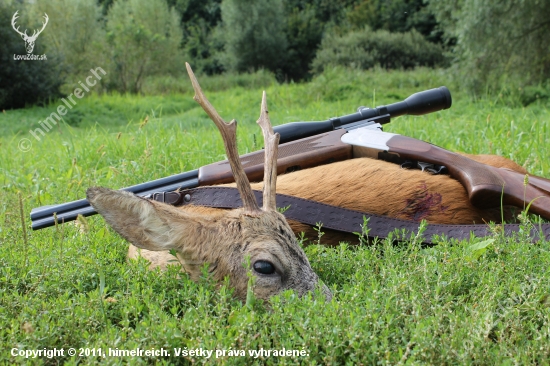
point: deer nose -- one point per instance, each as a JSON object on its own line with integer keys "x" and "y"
{"x": 324, "y": 290}
{"x": 313, "y": 285}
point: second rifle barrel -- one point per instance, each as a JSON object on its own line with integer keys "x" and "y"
{"x": 176, "y": 180}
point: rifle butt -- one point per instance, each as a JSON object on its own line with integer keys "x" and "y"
{"x": 487, "y": 186}
{"x": 526, "y": 191}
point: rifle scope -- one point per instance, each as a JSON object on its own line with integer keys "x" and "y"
{"x": 423, "y": 102}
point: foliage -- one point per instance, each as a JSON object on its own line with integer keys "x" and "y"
{"x": 201, "y": 47}
{"x": 395, "y": 16}
{"x": 534, "y": 93}
{"x": 253, "y": 35}
{"x": 158, "y": 85}
{"x": 498, "y": 44}
{"x": 326, "y": 11}
{"x": 144, "y": 39}
{"x": 366, "y": 48}
{"x": 25, "y": 82}
{"x": 199, "y": 19}
{"x": 305, "y": 22}
{"x": 455, "y": 303}
{"x": 75, "y": 33}
{"x": 135, "y": 40}
{"x": 304, "y": 33}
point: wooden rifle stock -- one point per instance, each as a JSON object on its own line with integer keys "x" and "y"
{"x": 486, "y": 185}
{"x": 301, "y": 154}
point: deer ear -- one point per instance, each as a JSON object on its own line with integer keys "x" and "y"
{"x": 146, "y": 224}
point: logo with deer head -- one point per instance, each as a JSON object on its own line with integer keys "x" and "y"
{"x": 29, "y": 40}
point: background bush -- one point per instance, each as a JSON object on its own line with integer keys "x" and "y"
{"x": 366, "y": 48}
{"x": 144, "y": 38}
{"x": 393, "y": 16}
{"x": 497, "y": 43}
{"x": 496, "y": 48}
{"x": 253, "y": 35}
{"x": 75, "y": 34}
{"x": 304, "y": 33}
{"x": 199, "y": 19}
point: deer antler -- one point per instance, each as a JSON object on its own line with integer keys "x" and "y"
{"x": 35, "y": 34}
{"x": 13, "y": 19}
{"x": 229, "y": 135}
{"x": 271, "y": 142}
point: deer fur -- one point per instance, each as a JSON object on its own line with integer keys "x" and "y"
{"x": 223, "y": 239}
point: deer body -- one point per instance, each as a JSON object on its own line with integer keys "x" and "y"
{"x": 374, "y": 186}
{"x": 386, "y": 189}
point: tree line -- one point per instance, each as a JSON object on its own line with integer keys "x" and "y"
{"x": 485, "y": 44}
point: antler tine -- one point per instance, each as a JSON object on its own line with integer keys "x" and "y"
{"x": 13, "y": 21}
{"x": 229, "y": 135}
{"x": 46, "y": 18}
{"x": 271, "y": 142}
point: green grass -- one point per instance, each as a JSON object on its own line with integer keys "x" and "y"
{"x": 72, "y": 287}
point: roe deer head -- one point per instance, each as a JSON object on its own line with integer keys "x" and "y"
{"x": 221, "y": 239}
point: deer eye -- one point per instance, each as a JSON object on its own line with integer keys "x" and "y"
{"x": 264, "y": 267}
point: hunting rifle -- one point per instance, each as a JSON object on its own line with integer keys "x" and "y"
{"x": 301, "y": 145}
{"x": 308, "y": 144}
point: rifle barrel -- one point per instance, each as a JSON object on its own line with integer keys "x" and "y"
{"x": 42, "y": 217}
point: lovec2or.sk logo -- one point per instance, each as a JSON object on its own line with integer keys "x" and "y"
{"x": 29, "y": 40}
